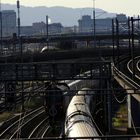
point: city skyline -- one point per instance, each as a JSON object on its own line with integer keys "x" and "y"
{"x": 128, "y": 7}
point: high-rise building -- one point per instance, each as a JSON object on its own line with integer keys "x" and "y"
{"x": 121, "y": 18}
{"x": 9, "y": 19}
{"x": 55, "y": 28}
{"x": 8, "y": 22}
{"x": 39, "y": 27}
{"x": 86, "y": 24}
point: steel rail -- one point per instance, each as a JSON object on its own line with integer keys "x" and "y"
{"x": 18, "y": 99}
{"x": 8, "y": 129}
{"x": 35, "y": 131}
{"x": 25, "y": 123}
{"x": 45, "y": 132}
{"x": 137, "y": 65}
{"x": 126, "y": 78}
{"x": 128, "y": 67}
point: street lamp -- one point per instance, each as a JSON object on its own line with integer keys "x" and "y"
{"x": 47, "y": 22}
{"x": 18, "y": 7}
{"x": 21, "y": 52}
{"x": 94, "y": 25}
{"x": 81, "y": 24}
{"x": 47, "y": 30}
{"x": 1, "y": 25}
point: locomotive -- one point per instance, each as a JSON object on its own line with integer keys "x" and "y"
{"x": 54, "y": 101}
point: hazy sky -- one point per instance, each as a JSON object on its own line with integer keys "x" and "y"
{"x": 130, "y": 7}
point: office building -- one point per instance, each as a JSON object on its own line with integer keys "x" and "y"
{"x": 8, "y": 22}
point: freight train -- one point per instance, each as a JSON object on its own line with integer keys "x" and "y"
{"x": 79, "y": 122}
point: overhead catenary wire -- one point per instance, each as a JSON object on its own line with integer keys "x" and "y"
{"x": 133, "y": 124}
{"x": 119, "y": 101}
{"x": 97, "y": 127}
{"x": 21, "y": 119}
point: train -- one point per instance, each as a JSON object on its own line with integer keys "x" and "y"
{"x": 56, "y": 95}
{"x": 76, "y": 85}
{"x": 47, "y": 48}
{"x": 57, "y": 98}
{"x": 79, "y": 122}
{"x": 53, "y": 99}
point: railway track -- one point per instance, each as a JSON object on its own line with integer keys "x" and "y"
{"x": 137, "y": 69}
{"x": 138, "y": 65}
{"x": 41, "y": 129}
{"x": 34, "y": 124}
{"x": 18, "y": 98}
{"x": 23, "y": 127}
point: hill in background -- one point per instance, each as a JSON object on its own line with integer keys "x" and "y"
{"x": 66, "y": 16}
